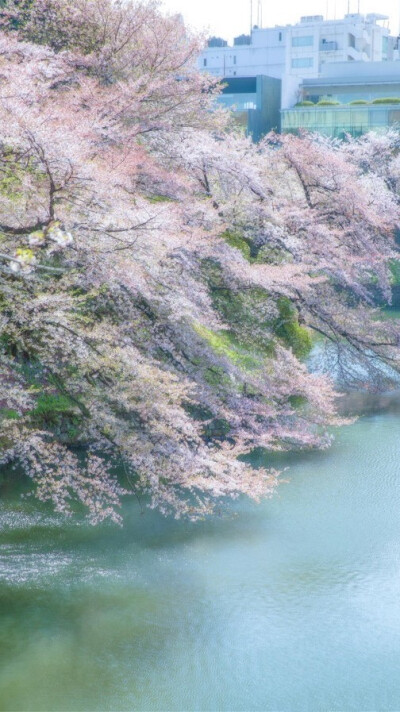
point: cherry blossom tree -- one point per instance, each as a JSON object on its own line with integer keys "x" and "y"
{"x": 161, "y": 276}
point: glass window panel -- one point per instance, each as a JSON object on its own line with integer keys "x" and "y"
{"x": 342, "y": 118}
{"x": 378, "y": 117}
{"x": 304, "y": 41}
{"x": 394, "y": 116}
{"x": 302, "y": 62}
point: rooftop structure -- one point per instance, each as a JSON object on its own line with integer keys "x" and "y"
{"x": 302, "y": 49}
{"x": 345, "y": 82}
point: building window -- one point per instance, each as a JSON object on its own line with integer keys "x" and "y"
{"x": 280, "y": 37}
{"x": 234, "y": 59}
{"x": 302, "y": 62}
{"x": 204, "y": 62}
{"x": 305, "y": 41}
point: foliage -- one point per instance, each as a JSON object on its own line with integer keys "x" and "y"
{"x": 358, "y": 102}
{"x": 305, "y": 103}
{"x": 235, "y": 240}
{"x": 224, "y": 343}
{"x": 395, "y": 272}
{"x": 160, "y": 274}
{"x": 386, "y": 100}
{"x": 287, "y": 327}
{"x": 327, "y": 102}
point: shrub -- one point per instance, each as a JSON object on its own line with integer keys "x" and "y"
{"x": 287, "y": 327}
{"x": 358, "y": 102}
{"x": 387, "y": 100}
{"x": 235, "y": 240}
{"x": 304, "y": 103}
{"x": 328, "y": 102}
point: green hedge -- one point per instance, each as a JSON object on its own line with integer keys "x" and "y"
{"x": 388, "y": 100}
{"x": 356, "y": 102}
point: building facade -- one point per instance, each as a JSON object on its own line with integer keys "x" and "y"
{"x": 256, "y": 102}
{"x": 331, "y": 76}
{"x": 341, "y": 120}
{"x": 347, "y": 98}
{"x": 302, "y": 49}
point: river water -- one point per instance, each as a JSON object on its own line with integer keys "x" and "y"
{"x": 292, "y": 605}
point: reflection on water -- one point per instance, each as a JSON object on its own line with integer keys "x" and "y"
{"x": 359, "y": 403}
{"x": 293, "y": 605}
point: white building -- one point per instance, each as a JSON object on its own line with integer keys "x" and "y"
{"x": 299, "y": 50}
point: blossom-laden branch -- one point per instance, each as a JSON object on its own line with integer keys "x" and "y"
{"x": 161, "y": 275}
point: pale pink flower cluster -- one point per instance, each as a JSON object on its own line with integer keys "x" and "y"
{"x": 161, "y": 275}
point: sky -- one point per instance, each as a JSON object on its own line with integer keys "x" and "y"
{"x": 228, "y": 18}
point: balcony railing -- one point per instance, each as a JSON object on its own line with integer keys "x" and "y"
{"x": 328, "y": 46}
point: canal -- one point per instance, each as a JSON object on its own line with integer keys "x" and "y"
{"x": 292, "y": 605}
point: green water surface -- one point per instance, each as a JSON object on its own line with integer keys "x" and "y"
{"x": 293, "y": 605}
